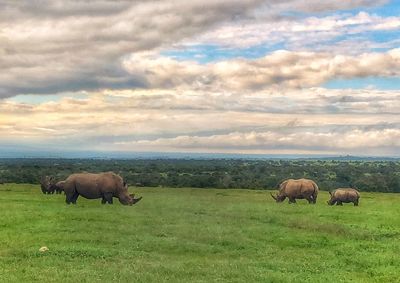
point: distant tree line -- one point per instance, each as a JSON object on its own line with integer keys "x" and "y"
{"x": 378, "y": 176}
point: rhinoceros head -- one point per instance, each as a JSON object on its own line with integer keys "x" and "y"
{"x": 127, "y": 199}
{"x": 278, "y": 198}
{"x": 330, "y": 202}
{"x": 46, "y": 184}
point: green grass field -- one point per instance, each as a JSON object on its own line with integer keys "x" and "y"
{"x": 197, "y": 235}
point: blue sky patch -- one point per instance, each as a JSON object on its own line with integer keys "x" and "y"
{"x": 392, "y": 8}
{"x": 38, "y": 99}
{"x": 362, "y": 83}
{"x": 212, "y": 53}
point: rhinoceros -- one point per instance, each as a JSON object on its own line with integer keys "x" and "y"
{"x": 46, "y": 184}
{"x": 102, "y": 185}
{"x": 297, "y": 189}
{"x": 49, "y": 185}
{"x": 344, "y": 195}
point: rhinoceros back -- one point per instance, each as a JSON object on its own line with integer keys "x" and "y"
{"x": 300, "y": 187}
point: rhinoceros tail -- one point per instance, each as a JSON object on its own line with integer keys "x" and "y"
{"x": 315, "y": 192}
{"x": 316, "y": 189}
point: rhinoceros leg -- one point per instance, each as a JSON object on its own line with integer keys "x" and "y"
{"x": 314, "y": 199}
{"x": 74, "y": 197}
{"x": 108, "y": 197}
{"x": 339, "y": 203}
{"x": 292, "y": 200}
{"x": 68, "y": 197}
{"x": 356, "y": 203}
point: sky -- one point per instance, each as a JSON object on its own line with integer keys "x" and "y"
{"x": 240, "y": 76}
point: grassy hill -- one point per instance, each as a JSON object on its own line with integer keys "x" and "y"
{"x": 197, "y": 235}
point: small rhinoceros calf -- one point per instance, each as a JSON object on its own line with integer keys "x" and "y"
{"x": 341, "y": 195}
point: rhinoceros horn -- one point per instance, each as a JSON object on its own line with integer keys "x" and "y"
{"x": 135, "y": 200}
{"x": 274, "y": 197}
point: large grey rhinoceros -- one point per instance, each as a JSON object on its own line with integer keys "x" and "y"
{"x": 102, "y": 185}
{"x": 297, "y": 189}
{"x": 344, "y": 195}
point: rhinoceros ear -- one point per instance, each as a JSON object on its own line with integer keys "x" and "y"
{"x": 330, "y": 193}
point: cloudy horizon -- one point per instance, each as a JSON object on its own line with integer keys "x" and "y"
{"x": 248, "y": 77}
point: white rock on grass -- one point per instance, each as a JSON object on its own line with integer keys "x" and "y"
{"x": 43, "y": 249}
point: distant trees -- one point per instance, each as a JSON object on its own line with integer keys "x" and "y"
{"x": 382, "y": 176}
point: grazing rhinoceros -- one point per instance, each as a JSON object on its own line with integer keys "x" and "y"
{"x": 49, "y": 186}
{"x": 297, "y": 189}
{"x": 103, "y": 185}
{"x": 46, "y": 184}
{"x": 341, "y": 195}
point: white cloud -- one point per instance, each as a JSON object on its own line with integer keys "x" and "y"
{"x": 356, "y": 140}
{"x": 296, "y": 33}
{"x": 264, "y": 121}
{"x": 282, "y": 68}
{"x": 57, "y": 46}
{"x": 125, "y": 95}
{"x": 75, "y": 45}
